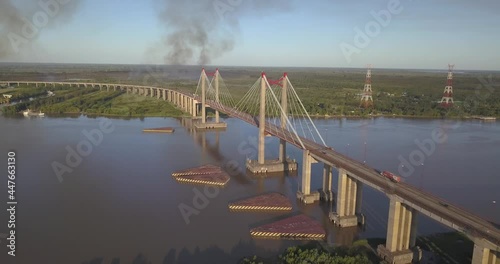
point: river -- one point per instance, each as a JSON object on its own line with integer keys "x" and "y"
{"x": 120, "y": 200}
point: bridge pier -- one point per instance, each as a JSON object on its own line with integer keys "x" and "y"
{"x": 305, "y": 194}
{"x": 326, "y": 193}
{"x": 401, "y": 234}
{"x": 194, "y": 108}
{"x": 483, "y": 255}
{"x": 349, "y": 197}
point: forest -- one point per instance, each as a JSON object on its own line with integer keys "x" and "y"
{"x": 324, "y": 92}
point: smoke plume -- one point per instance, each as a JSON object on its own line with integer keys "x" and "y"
{"x": 22, "y": 21}
{"x": 199, "y": 31}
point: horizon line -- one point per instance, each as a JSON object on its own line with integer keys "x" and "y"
{"x": 241, "y": 66}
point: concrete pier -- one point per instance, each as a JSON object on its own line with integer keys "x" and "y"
{"x": 348, "y": 209}
{"x": 484, "y": 255}
{"x": 326, "y": 193}
{"x": 400, "y": 231}
{"x": 305, "y": 194}
{"x": 271, "y": 166}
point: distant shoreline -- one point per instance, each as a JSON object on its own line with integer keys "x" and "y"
{"x": 312, "y": 116}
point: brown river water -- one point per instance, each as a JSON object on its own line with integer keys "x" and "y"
{"x": 118, "y": 200}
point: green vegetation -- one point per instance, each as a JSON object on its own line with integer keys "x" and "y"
{"x": 323, "y": 91}
{"x": 359, "y": 253}
{"x": 93, "y": 101}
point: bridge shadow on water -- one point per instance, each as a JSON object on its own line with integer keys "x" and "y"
{"x": 210, "y": 255}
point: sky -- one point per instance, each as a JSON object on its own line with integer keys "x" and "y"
{"x": 419, "y": 34}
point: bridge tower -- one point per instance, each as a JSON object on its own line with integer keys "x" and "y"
{"x": 203, "y": 82}
{"x": 283, "y": 121}
{"x": 367, "y": 99}
{"x": 261, "y": 165}
{"x": 447, "y": 100}
{"x": 217, "y": 99}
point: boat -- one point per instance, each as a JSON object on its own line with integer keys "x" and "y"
{"x": 28, "y": 112}
{"x": 485, "y": 118}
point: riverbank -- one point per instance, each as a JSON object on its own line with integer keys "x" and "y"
{"x": 451, "y": 247}
{"x": 332, "y": 117}
{"x": 318, "y": 252}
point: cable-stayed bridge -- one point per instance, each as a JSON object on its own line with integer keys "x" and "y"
{"x": 275, "y": 108}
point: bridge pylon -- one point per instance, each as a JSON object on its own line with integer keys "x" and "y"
{"x": 261, "y": 165}
{"x": 204, "y": 88}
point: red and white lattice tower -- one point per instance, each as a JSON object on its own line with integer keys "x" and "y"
{"x": 447, "y": 100}
{"x": 367, "y": 99}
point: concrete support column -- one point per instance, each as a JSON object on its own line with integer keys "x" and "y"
{"x": 284, "y": 105}
{"x": 306, "y": 172}
{"x": 483, "y": 255}
{"x": 305, "y": 194}
{"x": 217, "y": 95}
{"x": 262, "y": 120}
{"x": 326, "y": 192}
{"x": 193, "y": 109}
{"x": 359, "y": 198}
{"x": 349, "y": 197}
{"x": 413, "y": 228}
{"x": 106, "y": 89}
{"x": 203, "y": 98}
{"x": 183, "y": 102}
{"x": 341, "y": 193}
{"x": 164, "y": 94}
{"x": 399, "y": 229}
